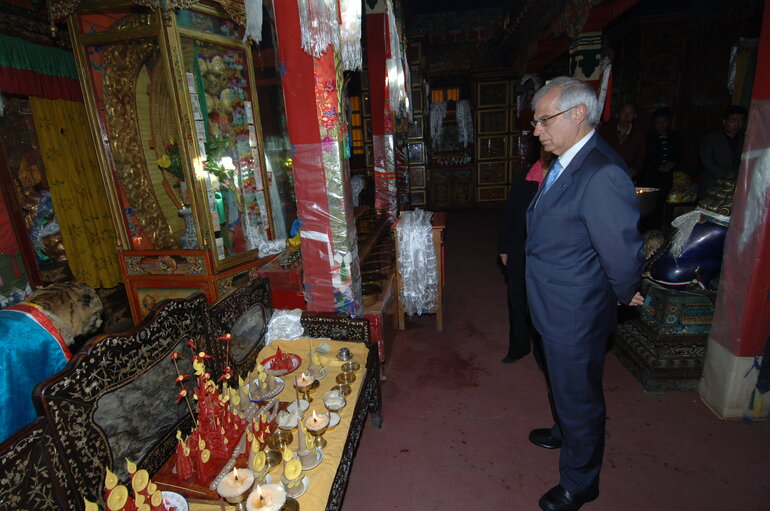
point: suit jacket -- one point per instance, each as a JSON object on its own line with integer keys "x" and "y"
{"x": 583, "y": 248}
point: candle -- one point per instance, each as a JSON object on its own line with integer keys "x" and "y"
{"x": 303, "y": 380}
{"x": 316, "y": 422}
{"x": 268, "y": 497}
{"x": 236, "y": 483}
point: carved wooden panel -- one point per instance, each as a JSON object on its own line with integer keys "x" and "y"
{"x": 138, "y": 425}
{"x": 34, "y": 476}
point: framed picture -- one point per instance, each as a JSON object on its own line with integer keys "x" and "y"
{"x": 417, "y": 100}
{"x": 492, "y": 121}
{"x": 491, "y": 193}
{"x": 368, "y": 129}
{"x": 417, "y": 197}
{"x": 416, "y": 152}
{"x": 369, "y": 156}
{"x": 416, "y": 128}
{"x": 417, "y": 177}
{"x": 491, "y": 94}
{"x": 492, "y": 172}
{"x": 492, "y": 147}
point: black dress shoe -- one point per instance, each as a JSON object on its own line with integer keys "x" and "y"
{"x": 543, "y": 438}
{"x": 559, "y": 499}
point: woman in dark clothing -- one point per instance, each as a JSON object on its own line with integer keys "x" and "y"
{"x": 513, "y": 235}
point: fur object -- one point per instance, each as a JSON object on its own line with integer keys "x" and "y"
{"x": 35, "y": 341}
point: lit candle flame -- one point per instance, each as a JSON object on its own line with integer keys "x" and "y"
{"x": 235, "y": 473}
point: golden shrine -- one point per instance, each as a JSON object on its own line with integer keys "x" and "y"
{"x": 174, "y": 112}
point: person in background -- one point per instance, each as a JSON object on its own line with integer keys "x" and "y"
{"x": 513, "y": 234}
{"x": 720, "y": 151}
{"x": 626, "y": 139}
{"x": 662, "y": 153}
{"x": 583, "y": 257}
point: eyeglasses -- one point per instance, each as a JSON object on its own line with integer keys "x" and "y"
{"x": 544, "y": 121}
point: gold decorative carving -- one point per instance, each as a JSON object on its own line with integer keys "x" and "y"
{"x": 60, "y": 9}
{"x": 122, "y": 63}
{"x": 236, "y": 12}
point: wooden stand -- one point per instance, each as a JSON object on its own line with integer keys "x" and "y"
{"x": 438, "y": 223}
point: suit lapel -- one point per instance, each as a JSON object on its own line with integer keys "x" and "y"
{"x": 535, "y": 214}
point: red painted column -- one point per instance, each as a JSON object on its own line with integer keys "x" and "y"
{"x": 742, "y": 316}
{"x": 317, "y": 132}
{"x": 383, "y": 122}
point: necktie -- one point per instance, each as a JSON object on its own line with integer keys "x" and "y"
{"x": 551, "y": 178}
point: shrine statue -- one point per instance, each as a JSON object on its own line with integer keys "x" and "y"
{"x": 36, "y": 343}
{"x": 220, "y": 99}
{"x": 39, "y": 215}
{"x": 692, "y": 257}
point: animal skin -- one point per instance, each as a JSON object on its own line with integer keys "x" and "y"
{"x": 36, "y": 338}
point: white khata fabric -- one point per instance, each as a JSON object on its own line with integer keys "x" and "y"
{"x": 417, "y": 264}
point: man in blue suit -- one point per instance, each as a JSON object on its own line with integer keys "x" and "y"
{"x": 583, "y": 257}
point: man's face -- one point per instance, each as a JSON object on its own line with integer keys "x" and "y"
{"x": 562, "y": 131}
{"x": 627, "y": 115}
{"x": 662, "y": 124}
{"x": 734, "y": 124}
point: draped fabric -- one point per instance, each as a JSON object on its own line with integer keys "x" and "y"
{"x": 36, "y": 70}
{"x": 76, "y": 189}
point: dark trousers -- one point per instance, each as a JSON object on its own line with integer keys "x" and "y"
{"x": 521, "y": 330}
{"x": 574, "y": 371}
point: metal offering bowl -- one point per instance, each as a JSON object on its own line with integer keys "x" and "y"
{"x": 239, "y": 502}
{"x": 346, "y": 377}
{"x": 350, "y": 367}
{"x": 272, "y": 458}
{"x": 343, "y": 388}
{"x": 344, "y": 354}
{"x": 280, "y": 439}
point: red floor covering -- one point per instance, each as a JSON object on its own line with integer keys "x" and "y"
{"x": 456, "y": 420}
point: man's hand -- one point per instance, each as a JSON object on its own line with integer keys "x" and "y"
{"x": 504, "y": 259}
{"x": 638, "y": 299}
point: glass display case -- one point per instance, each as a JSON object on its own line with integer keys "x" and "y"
{"x": 175, "y": 115}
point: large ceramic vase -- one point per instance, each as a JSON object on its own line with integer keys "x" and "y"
{"x": 189, "y": 240}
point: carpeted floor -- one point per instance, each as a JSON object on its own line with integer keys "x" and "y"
{"x": 456, "y": 420}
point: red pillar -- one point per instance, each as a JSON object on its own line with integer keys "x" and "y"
{"x": 377, "y": 50}
{"x": 742, "y": 316}
{"x": 317, "y": 131}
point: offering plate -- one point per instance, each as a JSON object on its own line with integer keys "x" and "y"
{"x": 279, "y": 385}
{"x": 298, "y": 490}
{"x": 172, "y": 500}
{"x": 269, "y": 362}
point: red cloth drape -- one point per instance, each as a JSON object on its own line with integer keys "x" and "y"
{"x": 29, "y": 83}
